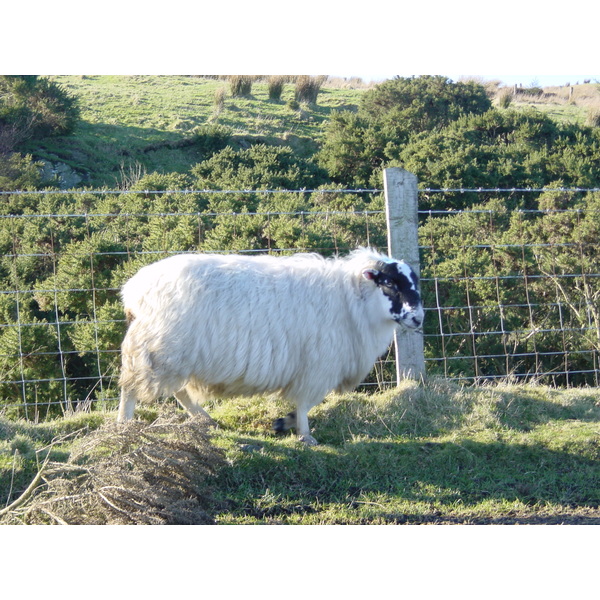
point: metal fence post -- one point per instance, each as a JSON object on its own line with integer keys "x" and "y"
{"x": 401, "y": 205}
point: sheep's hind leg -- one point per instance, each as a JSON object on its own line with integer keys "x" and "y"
{"x": 126, "y": 406}
{"x": 191, "y": 402}
{"x": 285, "y": 423}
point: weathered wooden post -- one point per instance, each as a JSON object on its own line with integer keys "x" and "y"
{"x": 401, "y": 201}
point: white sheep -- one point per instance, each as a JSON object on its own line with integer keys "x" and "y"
{"x": 206, "y": 325}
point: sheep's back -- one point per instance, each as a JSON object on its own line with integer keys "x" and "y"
{"x": 247, "y": 322}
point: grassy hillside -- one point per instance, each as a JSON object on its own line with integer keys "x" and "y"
{"x": 138, "y": 123}
{"x": 433, "y": 453}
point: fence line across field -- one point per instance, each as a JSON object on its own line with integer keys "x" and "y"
{"x": 466, "y": 340}
{"x": 79, "y": 192}
{"x": 189, "y": 191}
{"x": 298, "y": 213}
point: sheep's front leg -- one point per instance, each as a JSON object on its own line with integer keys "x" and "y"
{"x": 303, "y": 429}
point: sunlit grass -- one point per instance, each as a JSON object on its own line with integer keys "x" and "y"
{"x": 133, "y": 119}
{"x": 432, "y": 453}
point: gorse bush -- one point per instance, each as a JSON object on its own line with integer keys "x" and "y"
{"x": 19, "y": 172}
{"x": 423, "y": 103}
{"x": 258, "y": 167}
{"x": 34, "y": 107}
{"x": 530, "y": 282}
{"x": 358, "y": 145}
{"x": 503, "y": 149}
{"x": 449, "y": 136}
{"x": 211, "y": 138}
{"x": 355, "y": 149}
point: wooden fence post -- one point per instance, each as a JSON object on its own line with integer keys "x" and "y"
{"x": 401, "y": 202}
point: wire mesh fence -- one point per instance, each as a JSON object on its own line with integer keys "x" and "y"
{"x": 509, "y": 293}
{"x": 63, "y": 264}
{"x": 514, "y": 292}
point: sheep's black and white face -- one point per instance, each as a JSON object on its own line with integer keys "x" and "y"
{"x": 400, "y": 285}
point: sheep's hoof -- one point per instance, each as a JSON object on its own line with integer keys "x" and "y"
{"x": 279, "y": 425}
{"x": 285, "y": 423}
{"x": 309, "y": 440}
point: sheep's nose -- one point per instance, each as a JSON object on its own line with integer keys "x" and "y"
{"x": 412, "y": 320}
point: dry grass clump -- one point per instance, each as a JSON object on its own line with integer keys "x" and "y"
{"x": 593, "y": 117}
{"x": 275, "y": 84}
{"x": 308, "y": 88}
{"x": 492, "y": 86}
{"x": 504, "y": 97}
{"x": 584, "y": 95}
{"x": 349, "y": 83}
{"x": 241, "y": 85}
{"x": 134, "y": 473}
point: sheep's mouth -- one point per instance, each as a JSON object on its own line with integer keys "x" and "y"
{"x": 410, "y": 322}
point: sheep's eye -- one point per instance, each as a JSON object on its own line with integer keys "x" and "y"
{"x": 391, "y": 284}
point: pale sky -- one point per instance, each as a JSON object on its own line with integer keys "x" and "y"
{"x": 517, "y": 41}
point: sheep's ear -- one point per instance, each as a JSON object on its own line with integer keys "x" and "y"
{"x": 370, "y": 274}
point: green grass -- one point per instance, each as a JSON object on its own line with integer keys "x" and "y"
{"x": 556, "y": 103}
{"x": 561, "y": 113}
{"x": 131, "y": 120}
{"x": 433, "y": 453}
{"x": 436, "y": 453}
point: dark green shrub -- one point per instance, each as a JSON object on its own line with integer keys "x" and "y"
{"x": 19, "y": 172}
{"x": 258, "y": 167}
{"x": 35, "y": 107}
{"x": 424, "y": 103}
{"x": 509, "y": 268}
{"x": 358, "y": 145}
{"x": 502, "y": 149}
{"x": 354, "y": 148}
{"x": 211, "y": 138}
